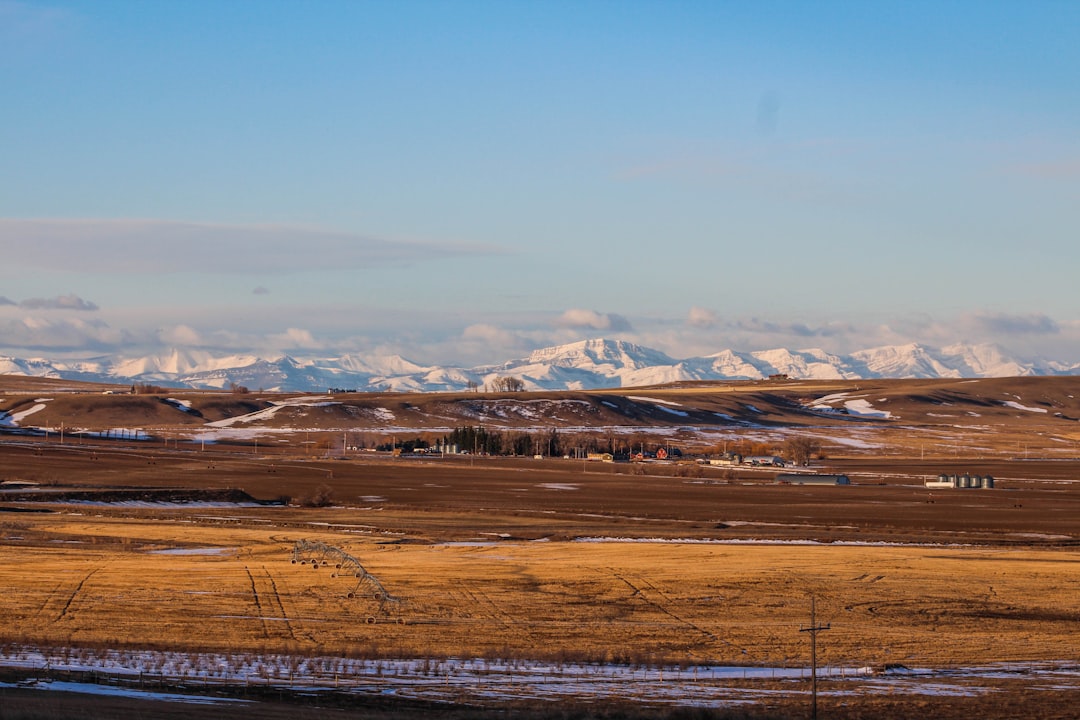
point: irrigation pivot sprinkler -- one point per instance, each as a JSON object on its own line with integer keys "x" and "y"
{"x": 814, "y": 629}
{"x": 346, "y": 566}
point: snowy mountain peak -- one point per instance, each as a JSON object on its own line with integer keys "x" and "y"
{"x": 983, "y": 361}
{"x": 588, "y": 364}
{"x": 600, "y": 351}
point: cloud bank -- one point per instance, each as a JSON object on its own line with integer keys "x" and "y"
{"x": 63, "y": 302}
{"x": 591, "y": 319}
{"x": 165, "y": 246}
{"x": 434, "y": 336}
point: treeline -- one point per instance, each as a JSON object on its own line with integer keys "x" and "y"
{"x": 504, "y": 442}
{"x": 488, "y": 441}
{"x": 551, "y": 442}
{"x": 797, "y": 449}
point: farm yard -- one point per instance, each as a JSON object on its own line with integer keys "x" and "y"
{"x": 158, "y": 564}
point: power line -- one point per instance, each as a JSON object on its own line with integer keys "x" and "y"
{"x": 814, "y": 629}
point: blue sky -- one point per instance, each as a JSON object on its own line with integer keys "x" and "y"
{"x": 465, "y": 181}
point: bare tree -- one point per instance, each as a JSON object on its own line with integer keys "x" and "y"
{"x": 508, "y": 383}
{"x": 800, "y": 449}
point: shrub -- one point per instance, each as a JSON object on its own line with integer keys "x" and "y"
{"x": 322, "y": 496}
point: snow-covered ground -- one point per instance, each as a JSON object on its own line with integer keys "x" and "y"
{"x": 118, "y": 691}
{"x": 1017, "y": 406}
{"x": 481, "y": 680}
{"x": 14, "y": 419}
{"x": 858, "y": 406}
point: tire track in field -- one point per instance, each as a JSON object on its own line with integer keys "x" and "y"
{"x": 481, "y": 600}
{"x": 508, "y": 621}
{"x": 48, "y": 599}
{"x": 657, "y": 605}
{"x": 275, "y": 597}
{"x": 258, "y": 603}
{"x": 74, "y": 594}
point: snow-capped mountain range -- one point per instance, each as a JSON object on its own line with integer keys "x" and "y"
{"x": 589, "y": 364}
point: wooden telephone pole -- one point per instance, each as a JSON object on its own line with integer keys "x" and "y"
{"x": 813, "y": 629}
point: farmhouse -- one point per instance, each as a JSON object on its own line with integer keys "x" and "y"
{"x": 811, "y": 479}
{"x": 600, "y": 457}
{"x": 726, "y": 459}
{"x": 960, "y": 481}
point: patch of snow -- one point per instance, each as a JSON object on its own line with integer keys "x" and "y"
{"x": 863, "y": 408}
{"x": 1017, "y": 406}
{"x": 193, "y": 551}
{"x": 258, "y": 415}
{"x": 558, "y": 486}
{"x": 16, "y": 418}
{"x": 114, "y": 691}
{"x": 652, "y": 400}
{"x": 829, "y": 399}
{"x": 383, "y": 414}
{"x": 460, "y": 679}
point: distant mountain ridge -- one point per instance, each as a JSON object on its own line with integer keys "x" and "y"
{"x": 584, "y": 365}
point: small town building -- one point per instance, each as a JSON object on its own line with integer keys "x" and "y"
{"x": 768, "y": 460}
{"x": 811, "y": 479}
{"x": 945, "y": 481}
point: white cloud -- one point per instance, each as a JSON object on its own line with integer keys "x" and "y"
{"x": 38, "y": 333}
{"x": 443, "y": 337}
{"x": 591, "y": 319}
{"x": 1003, "y": 324}
{"x": 701, "y": 317}
{"x": 294, "y": 338}
{"x": 166, "y": 246}
{"x": 483, "y": 332}
{"x": 63, "y": 302}
{"x": 181, "y": 335}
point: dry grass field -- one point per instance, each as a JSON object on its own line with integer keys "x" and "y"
{"x": 231, "y": 586}
{"x": 136, "y": 545}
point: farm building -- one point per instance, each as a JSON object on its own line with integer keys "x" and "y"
{"x": 771, "y": 460}
{"x": 960, "y": 481}
{"x": 809, "y": 479}
{"x": 600, "y": 457}
{"x": 726, "y": 459}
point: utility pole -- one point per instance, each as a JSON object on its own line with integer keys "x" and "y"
{"x": 814, "y": 629}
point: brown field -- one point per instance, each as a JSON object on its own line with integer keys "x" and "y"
{"x": 105, "y": 546}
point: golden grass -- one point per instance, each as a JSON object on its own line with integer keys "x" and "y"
{"x": 96, "y": 581}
